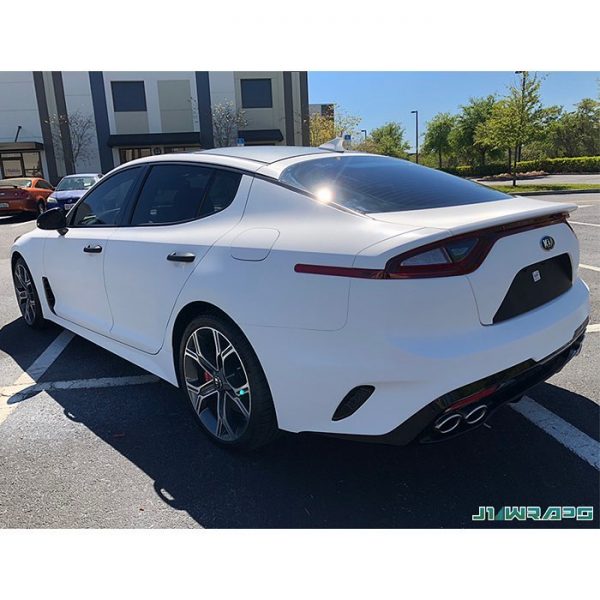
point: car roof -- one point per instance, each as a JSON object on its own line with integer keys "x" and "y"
{"x": 265, "y": 154}
{"x": 82, "y": 175}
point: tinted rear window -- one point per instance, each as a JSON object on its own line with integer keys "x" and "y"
{"x": 373, "y": 184}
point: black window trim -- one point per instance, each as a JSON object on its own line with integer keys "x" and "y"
{"x": 133, "y": 191}
{"x": 212, "y": 166}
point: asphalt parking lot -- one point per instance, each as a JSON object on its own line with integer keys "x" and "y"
{"x": 104, "y": 444}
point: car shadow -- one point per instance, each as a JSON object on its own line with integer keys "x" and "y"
{"x": 313, "y": 481}
{"x": 20, "y": 218}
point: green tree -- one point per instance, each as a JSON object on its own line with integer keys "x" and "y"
{"x": 387, "y": 139}
{"x": 576, "y": 133}
{"x": 323, "y": 128}
{"x": 463, "y": 135}
{"x": 437, "y": 135}
{"x": 515, "y": 120}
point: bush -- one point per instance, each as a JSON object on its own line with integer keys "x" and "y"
{"x": 579, "y": 164}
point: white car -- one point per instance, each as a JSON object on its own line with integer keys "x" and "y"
{"x": 311, "y": 290}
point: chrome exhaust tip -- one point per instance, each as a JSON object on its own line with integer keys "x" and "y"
{"x": 476, "y": 415}
{"x": 447, "y": 423}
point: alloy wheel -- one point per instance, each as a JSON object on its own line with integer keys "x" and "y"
{"x": 217, "y": 383}
{"x": 25, "y": 293}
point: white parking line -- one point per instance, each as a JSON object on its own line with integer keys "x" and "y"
{"x": 593, "y": 328}
{"x": 589, "y": 267}
{"x": 580, "y": 223}
{"x": 18, "y": 392}
{"x": 569, "y": 436}
{"x": 39, "y": 366}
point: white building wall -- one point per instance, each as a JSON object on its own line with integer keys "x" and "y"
{"x": 18, "y": 106}
{"x": 78, "y": 97}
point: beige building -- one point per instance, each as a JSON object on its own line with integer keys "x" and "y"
{"x": 56, "y": 123}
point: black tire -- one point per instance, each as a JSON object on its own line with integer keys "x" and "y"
{"x": 27, "y": 296}
{"x": 250, "y": 431}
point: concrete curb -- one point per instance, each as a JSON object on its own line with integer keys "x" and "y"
{"x": 554, "y": 192}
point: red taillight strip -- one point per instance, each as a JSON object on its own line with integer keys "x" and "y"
{"x": 340, "y": 271}
{"x": 486, "y": 240}
{"x": 472, "y": 398}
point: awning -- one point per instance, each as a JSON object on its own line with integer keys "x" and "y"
{"x": 184, "y": 138}
{"x": 254, "y": 136}
{"x": 20, "y": 146}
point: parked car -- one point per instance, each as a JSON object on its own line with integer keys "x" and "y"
{"x": 70, "y": 188}
{"x": 307, "y": 289}
{"x": 23, "y": 195}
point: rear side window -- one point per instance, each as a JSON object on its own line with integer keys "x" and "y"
{"x": 373, "y": 184}
{"x": 177, "y": 193}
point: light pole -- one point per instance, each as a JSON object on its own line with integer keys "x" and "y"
{"x": 416, "y": 113}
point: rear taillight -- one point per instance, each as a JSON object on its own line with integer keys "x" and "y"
{"x": 458, "y": 255}
{"x": 453, "y": 256}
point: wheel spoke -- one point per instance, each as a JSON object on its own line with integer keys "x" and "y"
{"x": 222, "y": 422}
{"x": 240, "y": 405}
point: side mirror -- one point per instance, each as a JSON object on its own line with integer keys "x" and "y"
{"x": 54, "y": 219}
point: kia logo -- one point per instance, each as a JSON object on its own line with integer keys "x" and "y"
{"x": 547, "y": 242}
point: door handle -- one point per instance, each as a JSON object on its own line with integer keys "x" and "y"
{"x": 181, "y": 257}
{"x": 93, "y": 249}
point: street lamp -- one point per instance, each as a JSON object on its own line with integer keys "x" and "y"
{"x": 416, "y": 113}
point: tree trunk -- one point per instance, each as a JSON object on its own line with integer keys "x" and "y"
{"x": 509, "y": 160}
{"x": 514, "y": 174}
{"x": 440, "y": 157}
{"x": 483, "y": 158}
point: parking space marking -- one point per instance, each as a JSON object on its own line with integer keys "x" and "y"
{"x": 38, "y": 367}
{"x": 569, "y": 436}
{"x": 593, "y": 328}
{"x": 589, "y": 267}
{"x": 581, "y": 223}
{"x": 17, "y": 392}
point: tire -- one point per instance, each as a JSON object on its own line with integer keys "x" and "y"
{"x": 41, "y": 207}
{"x": 27, "y": 296}
{"x": 236, "y": 409}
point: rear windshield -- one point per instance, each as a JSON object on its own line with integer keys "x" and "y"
{"x": 16, "y": 182}
{"x": 373, "y": 184}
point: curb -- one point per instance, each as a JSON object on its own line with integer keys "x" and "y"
{"x": 553, "y": 192}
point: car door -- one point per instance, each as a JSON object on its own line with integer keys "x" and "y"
{"x": 74, "y": 261}
{"x": 179, "y": 215}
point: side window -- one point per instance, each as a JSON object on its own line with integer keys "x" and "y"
{"x": 103, "y": 205}
{"x": 172, "y": 194}
{"x": 41, "y": 184}
{"x": 221, "y": 193}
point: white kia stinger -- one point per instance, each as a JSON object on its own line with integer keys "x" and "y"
{"x": 313, "y": 290}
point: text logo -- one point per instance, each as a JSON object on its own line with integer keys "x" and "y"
{"x": 547, "y": 242}
{"x": 534, "y": 513}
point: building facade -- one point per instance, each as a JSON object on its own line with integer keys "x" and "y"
{"x": 58, "y": 123}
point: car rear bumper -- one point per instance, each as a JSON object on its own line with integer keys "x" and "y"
{"x": 509, "y": 384}
{"x": 16, "y": 207}
{"x": 311, "y": 372}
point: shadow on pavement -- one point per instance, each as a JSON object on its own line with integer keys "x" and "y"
{"x": 310, "y": 481}
{"x": 20, "y": 218}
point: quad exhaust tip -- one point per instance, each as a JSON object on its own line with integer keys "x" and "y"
{"x": 448, "y": 423}
{"x": 476, "y": 415}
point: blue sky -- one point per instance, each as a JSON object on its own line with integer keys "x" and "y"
{"x": 379, "y": 97}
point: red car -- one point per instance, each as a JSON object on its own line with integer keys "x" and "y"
{"x": 23, "y": 195}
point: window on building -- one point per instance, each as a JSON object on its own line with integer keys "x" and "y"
{"x": 102, "y": 207}
{"x": 256, "y": 93}
{"x": 127, "y": 154}
{"x": 128, "y": 96}
{"x": 20, "y": 164}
